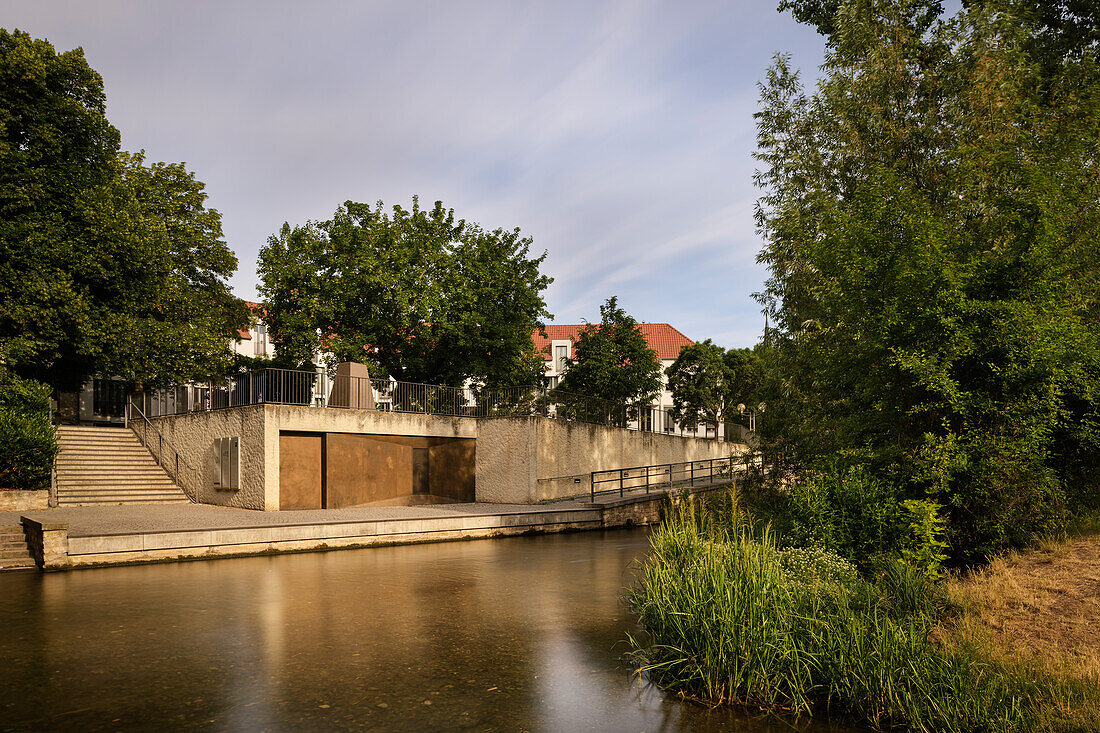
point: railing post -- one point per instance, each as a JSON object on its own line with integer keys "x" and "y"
{"x": 647, "y": 479}
{"x": 620, "y": 482}
{"x": 692, "y": 475}
{"x": 592, "y": 485}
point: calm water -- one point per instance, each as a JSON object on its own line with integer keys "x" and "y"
{"x": 496, "y": 635}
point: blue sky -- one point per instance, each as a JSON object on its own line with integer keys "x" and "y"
{"x": 619, "y": 135}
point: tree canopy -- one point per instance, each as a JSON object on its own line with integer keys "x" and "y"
{"x": 106, "y": 266}
{"x": 423, "y": 296}
{"x": 612, "y": 361}
{"x": 708, "y": 382}
{"x": 930, "y": 220}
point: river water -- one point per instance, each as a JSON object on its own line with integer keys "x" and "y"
{"x": 495, "y": 635}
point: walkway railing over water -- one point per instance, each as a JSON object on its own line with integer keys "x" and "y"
{"x": 666, "y": 476}
{"x": 323, "y": 389}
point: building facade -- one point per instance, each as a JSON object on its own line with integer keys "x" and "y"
{"x": 667, "y": 341}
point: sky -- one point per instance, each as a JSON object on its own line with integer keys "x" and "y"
{"x": 618, "y": 135}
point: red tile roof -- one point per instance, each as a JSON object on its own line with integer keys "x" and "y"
{"x": 662, "y": 338}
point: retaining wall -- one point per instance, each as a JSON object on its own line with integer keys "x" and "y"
{"x": 533, "y": 459}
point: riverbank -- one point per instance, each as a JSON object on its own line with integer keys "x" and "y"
{"x": 76, "y": 537}
{"x": 1038, "y": 612}
{"x": 730, "y": 617}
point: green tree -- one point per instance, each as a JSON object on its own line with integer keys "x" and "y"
{"x": 93, "y": 277}
{"x": 425, "y": 296}
{"x": 612, "y": 362}
{"x": 28, "y": 443}
{"x": 186, "y": 335}
{"x": 708, "y": 383}
{"x": 930, "y": 215}
{"x": 700, "y": 383}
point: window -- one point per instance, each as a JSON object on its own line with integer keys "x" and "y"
{"x": 259, "y": 343}
{"x": 561, "y": 353}
{"x": 108, "y": 397}
{"x": 227, "y": 463}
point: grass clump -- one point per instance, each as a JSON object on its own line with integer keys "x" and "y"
{"x": 729, "y": 617}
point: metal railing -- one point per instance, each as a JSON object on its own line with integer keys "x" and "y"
{"x": 664, "y": 476}
{"x": 176, "y": 466}
{"x": 323, "y": 389}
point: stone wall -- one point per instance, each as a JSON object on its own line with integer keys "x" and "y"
{"x": 48, "y": 543}
{"x": 259, "y": 427}
{"x": 24, "y": 501}
{"x": 513, "y": 454}
{"x": 193, "y": 436}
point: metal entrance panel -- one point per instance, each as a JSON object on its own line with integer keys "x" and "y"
{"x": 301, "y": 457}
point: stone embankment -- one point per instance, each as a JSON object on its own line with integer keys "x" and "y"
{"x": 78, "y": 537}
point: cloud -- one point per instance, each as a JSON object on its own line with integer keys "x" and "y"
{"x": 617, "y": 134}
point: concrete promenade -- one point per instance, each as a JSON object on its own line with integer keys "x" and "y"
{"x": 74, "y": 537}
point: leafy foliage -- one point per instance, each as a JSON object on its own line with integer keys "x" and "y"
{"x": 612, "y": 362}
{"x": 105, "y": 266}
{"x": 930, "y": 217}
{"x": 28, "y": 444}
{"x": 423, "y": 295}
{"x": 708, "y": 382}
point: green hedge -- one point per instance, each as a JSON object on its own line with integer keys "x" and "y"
{"x": 28, "y": 442}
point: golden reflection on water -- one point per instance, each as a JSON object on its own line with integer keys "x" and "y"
{"x": 495, "y": 635}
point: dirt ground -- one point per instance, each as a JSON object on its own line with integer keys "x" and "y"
{"x": 1042, "y": 604}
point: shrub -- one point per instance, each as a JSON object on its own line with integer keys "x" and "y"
{"x": 28, "y": 443}
{"x": 730, "y": 618}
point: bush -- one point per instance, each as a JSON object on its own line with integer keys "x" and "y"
{"x": 843, "y": 509}
{"x": 730, "y": 618}
{"x": 28, "y": 442}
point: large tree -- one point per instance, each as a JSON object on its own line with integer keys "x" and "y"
{"x": 93, "y": 277}
{"x": 424, "y": 296}
{"x": 708, "y": 382}
{"x": 930, "y": 216}
{"x": 612, "y": 363}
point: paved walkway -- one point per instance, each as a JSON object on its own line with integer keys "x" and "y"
{"x": 95, "y": 521}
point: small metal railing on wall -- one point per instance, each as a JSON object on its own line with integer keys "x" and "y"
{"x": 323, "y": 389}
{"x": 664, "y": 476}
{"x": 176, "y": 466}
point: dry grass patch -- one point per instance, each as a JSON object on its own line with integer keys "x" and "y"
{"x": 1039, "y": 612}
{"x": 1042, "y": 605}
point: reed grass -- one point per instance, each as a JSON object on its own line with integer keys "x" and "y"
{"x": 727, "y": 619}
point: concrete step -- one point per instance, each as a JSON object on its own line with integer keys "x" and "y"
{"x": 110, "y": 470}
{"x": 118, "y": 486}
{"x": 122, "y": 499}
{"x": 121, "y": 494}
{"x": 110, "y": 466}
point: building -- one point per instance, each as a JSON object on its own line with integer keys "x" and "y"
{"x": 557, "y": 346}
{"x": 255, "y": 342}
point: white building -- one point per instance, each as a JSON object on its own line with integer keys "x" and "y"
{"x": 667, "y": 341}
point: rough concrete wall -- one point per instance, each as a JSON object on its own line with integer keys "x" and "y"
{"x": 258, "y": 427}
{"x": 193, "y": 436}
{"x": 513, "y": 454}
{"x": 505, "y": 461}
{"x": 371, "y": 422}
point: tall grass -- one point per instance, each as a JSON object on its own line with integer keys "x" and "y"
{"x": 730, "y": 618}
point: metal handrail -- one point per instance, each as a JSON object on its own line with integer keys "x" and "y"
{"x": 172, "y": 468}
{"x": 323, "y": 389}
{"x": 705, "y": 470}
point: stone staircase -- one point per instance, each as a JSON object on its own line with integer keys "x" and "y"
{"x": 14, "y": 554}
{"x": 102, "y": 466}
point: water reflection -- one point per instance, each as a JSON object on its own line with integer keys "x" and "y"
{"x": 498, "y": 635}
